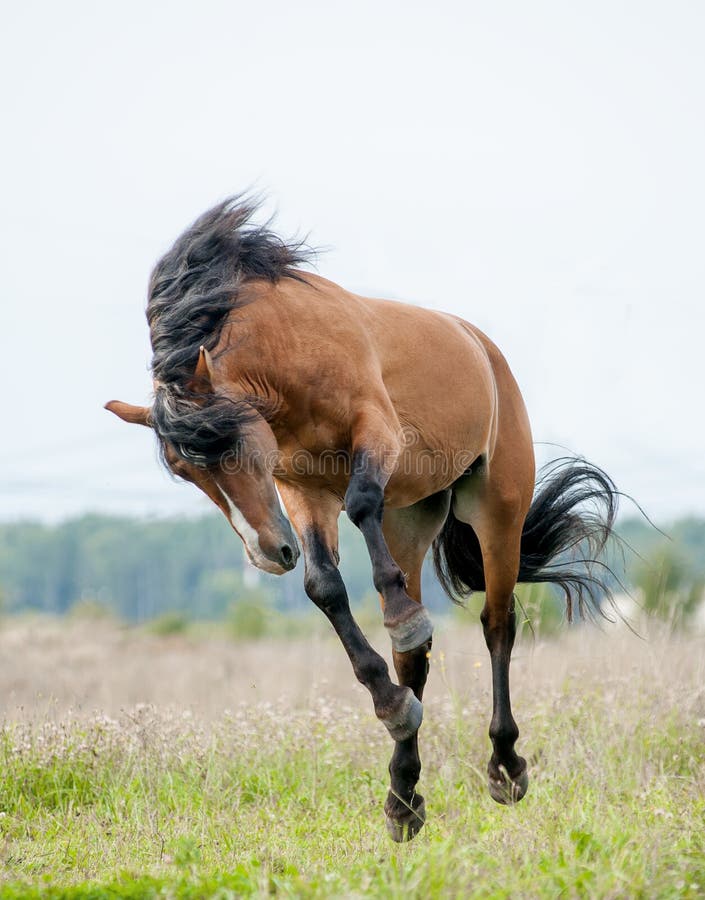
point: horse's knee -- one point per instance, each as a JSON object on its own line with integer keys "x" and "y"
{"x": 364, "y": 499}
{"x": 324, "y": 586}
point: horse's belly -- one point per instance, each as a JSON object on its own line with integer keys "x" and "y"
{"x": 443, "y": 433}
{"x": 425, "y": 472}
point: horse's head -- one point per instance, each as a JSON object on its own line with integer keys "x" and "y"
{"x": 224, "y": 446}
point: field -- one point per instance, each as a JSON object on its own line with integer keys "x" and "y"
{"x": 192, "y": 765}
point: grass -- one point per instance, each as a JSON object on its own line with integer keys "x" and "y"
{"x": 285, "y": 798}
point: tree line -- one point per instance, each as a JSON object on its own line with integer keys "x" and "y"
{"x": 139, "y": 569}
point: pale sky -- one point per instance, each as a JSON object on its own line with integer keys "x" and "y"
{"x": 537, "y": 168}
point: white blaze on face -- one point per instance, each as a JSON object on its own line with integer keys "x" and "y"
{"x": 249, "y": 537}
{"x": 242, "y": 526}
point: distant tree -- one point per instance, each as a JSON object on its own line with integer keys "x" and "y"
{"x": 670, "y": 589}
{"x": 140, "y": 568}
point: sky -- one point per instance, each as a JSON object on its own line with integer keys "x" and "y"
{"x": 535, "y": 168}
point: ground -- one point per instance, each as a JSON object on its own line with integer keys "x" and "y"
{"x": 192, "y": 765}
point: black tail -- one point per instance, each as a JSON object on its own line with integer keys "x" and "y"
{"x": 572, "y": 516}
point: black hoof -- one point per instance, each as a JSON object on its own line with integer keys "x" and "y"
{"x": 403, "y": 823}
{"x": 404, "y": 722}
{"x": 505, "y": 789}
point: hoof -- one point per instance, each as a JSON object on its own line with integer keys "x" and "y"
{"x": 403, "y": 824}
{"x": 404, "y": 722}
{"x": 504, "y": 789}
{"x": 412, "y": 632}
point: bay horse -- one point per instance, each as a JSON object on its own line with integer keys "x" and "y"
{"x": 270, "y": 380}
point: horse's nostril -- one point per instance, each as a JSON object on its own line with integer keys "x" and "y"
{"x": 287, "y": 555}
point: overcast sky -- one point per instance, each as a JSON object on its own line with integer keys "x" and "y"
{"x": 534, "y": 167}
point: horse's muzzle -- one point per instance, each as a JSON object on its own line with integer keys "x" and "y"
{"x": 280, "y": 548}
{"x": 287, "y": 556}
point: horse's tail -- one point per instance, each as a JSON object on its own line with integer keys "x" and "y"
{"x": 572, "y": 516}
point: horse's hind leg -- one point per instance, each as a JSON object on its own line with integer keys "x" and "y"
{"x": 496, "y": 513}
{"x": 409, "y": 533}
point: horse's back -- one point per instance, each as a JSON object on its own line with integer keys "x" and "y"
{"x": 446, "y": 380}
{"x": 421, "y": 354}
{"x": 442, "y": 380}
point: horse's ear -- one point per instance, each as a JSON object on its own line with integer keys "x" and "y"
{"x": 202, "y": 381}
{"x": 137, "y": 415}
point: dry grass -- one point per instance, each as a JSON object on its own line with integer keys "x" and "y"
{"x": 208, "y": 765}
{"x": 50, "y": 667}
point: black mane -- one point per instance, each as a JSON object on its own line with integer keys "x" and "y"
{"x": 192, "y": 290}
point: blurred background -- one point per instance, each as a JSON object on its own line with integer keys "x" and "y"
{"x": 535, "y": 168}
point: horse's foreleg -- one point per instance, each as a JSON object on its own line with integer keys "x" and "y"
{"x": 314, "y": 515}
{"x": 397, "y": 707}
{"x": 407, "y": 622}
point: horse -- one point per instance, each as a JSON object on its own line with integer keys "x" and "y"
{"x": 272, "y": 382}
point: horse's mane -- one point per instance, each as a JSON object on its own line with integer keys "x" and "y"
{"x": 192, "y": 289}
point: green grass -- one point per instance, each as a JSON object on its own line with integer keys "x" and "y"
{"x": 268, "y": 801}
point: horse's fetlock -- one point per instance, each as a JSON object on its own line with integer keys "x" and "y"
{"x": 406, "y": 771}
{"x": 389, "y": 579}
{"x": 504, "y": 734}
{"x": 372, "y": 670}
